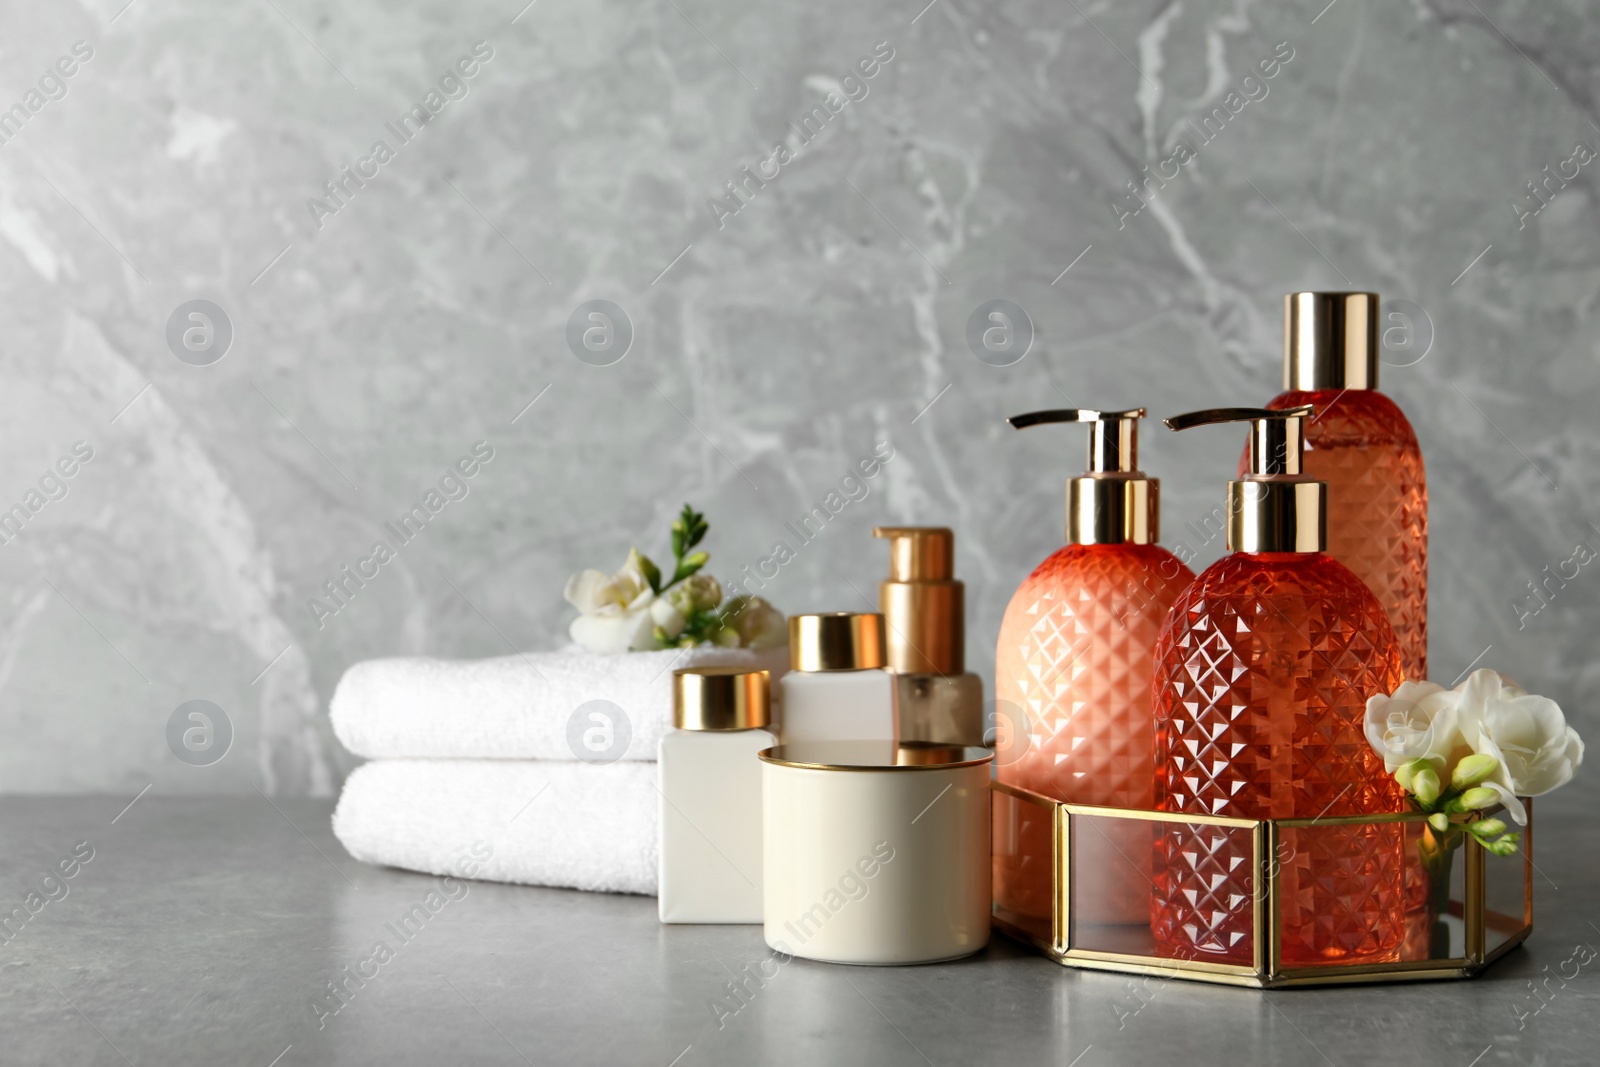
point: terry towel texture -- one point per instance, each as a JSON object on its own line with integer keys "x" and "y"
{"x": 570, "y": 824}
{"x": 515, "y": 707}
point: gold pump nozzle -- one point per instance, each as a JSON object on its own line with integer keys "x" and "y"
{"x": 1115, "y": 502}
{"x": 1276, "y": 507}
{"x": 922, "y": 603}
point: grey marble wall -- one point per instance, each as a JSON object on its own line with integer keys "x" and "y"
{"x": 381, "y": 330}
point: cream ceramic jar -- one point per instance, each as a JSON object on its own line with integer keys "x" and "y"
{"x": 876, "y": 853}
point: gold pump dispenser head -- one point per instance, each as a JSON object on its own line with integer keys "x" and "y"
{"x": 924, "y": 607}
{"x": 1115, "y": 503}
{"x": 1330, "y": 341}
{"x": 1276, "y": 507}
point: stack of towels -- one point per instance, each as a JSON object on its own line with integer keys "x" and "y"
{"x": 473, "y": 756}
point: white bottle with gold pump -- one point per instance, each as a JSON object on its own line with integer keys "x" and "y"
{"x": 709, "y": 865}
{"x": 924, "y": 611}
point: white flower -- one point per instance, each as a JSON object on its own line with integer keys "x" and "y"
{"x": 593, "y": 592}
{"x": 615, "y": 609}
{"x": 1507, "y": 686}
{"x": 698, "y": 592}
{"x": 1528, "y": 734}
{"x": 665, "y": 614}
{"x": 759, "y": 624}
{"x": 1418, "y": 722}
{"x": 607, "y": 635}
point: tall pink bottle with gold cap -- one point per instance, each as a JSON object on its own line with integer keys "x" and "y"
{"x": 1074, "y": 668}
{"x": 1362, "y": 445}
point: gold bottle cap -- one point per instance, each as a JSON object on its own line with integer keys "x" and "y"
{"x": 1276, "y": 507}
{"x": 836, "y": 641}
{"x": 721, "y": 698}
{"x": 1330, "y": 341}
{"x": 1115, "y": 503}
{"x": 924, "y": 607}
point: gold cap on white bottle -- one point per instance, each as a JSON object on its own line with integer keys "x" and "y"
{"x": 836, "y": 641}
{"x": 721, "y": 698}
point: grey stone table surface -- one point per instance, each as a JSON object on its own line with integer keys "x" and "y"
{"x": 204, "y": 931}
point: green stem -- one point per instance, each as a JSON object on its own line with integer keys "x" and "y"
{"x": 1437, "y": 854}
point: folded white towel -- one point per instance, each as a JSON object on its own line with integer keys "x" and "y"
{"x": 535, "y": 822}
{"x": 522, "y": 706}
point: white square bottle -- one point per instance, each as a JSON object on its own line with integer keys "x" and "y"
{"x": 709, "y": 864}
{"x": 836, "y": 688}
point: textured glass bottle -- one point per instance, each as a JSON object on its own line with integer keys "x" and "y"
{"x": 1075, "y": 662}
{"x": 1263, "y": 670}
{"x": 1361, "y": 444}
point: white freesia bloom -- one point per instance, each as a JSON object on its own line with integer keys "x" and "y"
{"x": 1419, "y": 721}
{"x": 760, "y": 625}
{"x": 615, "y": 609}
{"x": 1528, "y": 734}
{"x": 593, "y": 592}
{"x": 632, "y": 631}
{"x": 698, "y": 592}
{"x": 665, "y": 614}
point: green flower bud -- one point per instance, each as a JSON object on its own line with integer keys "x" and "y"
{"x": 1439, "y": 821}
{"x": 1425, "y": 786}
{"x": 1488, "y": 827}
{"x": 1408, "y": 770}
{"x": 1474, "y": 769}
{"x": 1477, "y": 797}
{"x": 1506, "y": 846}
{"x": 698, "y": 592}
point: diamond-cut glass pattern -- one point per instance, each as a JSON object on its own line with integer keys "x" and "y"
{"x": 1076, "y": 654}
{"x": 1263, "y": 671}
{"x": 1361, "y": 444}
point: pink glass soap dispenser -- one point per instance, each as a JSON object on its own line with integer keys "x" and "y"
{"x": 1262, "y": 676}
{"x": 1074, "y": 668}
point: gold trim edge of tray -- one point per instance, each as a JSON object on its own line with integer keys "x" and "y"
{"x": 1239, "y": 975}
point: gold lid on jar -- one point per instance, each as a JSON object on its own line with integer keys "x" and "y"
{"x": 876, "y": 755}
{"x": 721, "y": 698}
{"x": 1330, "y": 341}
{"x": 923, "y": 604}
{"x": 836, "y": 641}
{"x": 1115, "y": 503}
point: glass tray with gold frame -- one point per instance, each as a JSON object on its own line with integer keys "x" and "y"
{"x": 1075, "y": 881}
